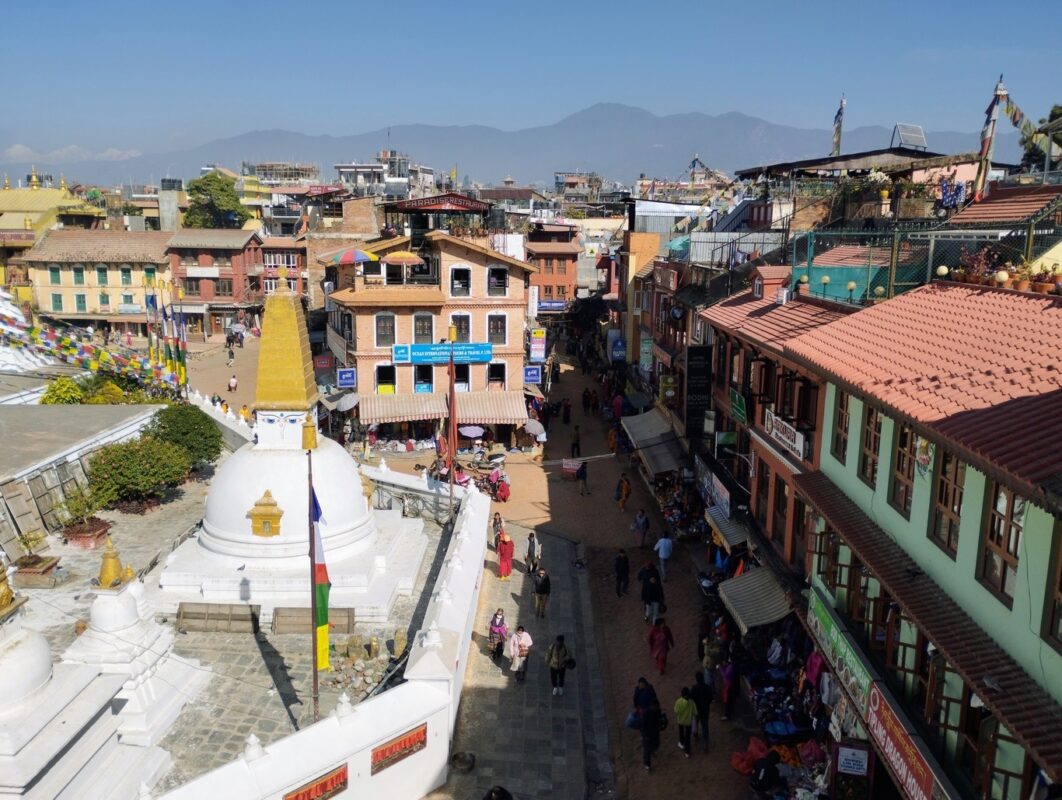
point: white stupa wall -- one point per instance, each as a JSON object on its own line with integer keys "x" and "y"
{"x": 351, "y": 738}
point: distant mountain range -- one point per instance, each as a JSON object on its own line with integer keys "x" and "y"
{"x": 617, "y": 141}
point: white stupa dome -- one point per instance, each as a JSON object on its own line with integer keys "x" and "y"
{"x": 347, "y": 527}
{"x": 114, "y": 611}
{"x": 25, "y": 663}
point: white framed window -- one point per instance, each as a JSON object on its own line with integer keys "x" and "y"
{"x": 372, "y": 269}
{"x": 497, "y": 281}
{"x": 423, "y": 378}
{"x": 385, "y": 329}
{"x": 496, "y": 376}
{"x": 463, "y": 324}
{"x": 423, "y": 328}
{"x": 460, "y": 282}
{"x": 386, "y": 378}
{"x": 496, "y": 329}
{"x": 462, "y": 380}
{"x": 698, "y": 330}
{"x": 757, "y": 287}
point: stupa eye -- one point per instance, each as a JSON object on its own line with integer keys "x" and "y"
{"x": 271, "y": 420}
{"x": 293, "y": 420}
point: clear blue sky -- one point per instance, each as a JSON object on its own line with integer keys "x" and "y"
{"x": 157, "y": 76}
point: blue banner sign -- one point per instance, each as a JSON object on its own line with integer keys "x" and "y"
{"x": 347, "y": 378}
{"x": 464, "y": 353}
{"x": 533, "y": 375}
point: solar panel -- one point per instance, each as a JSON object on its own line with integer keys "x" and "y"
{"x": 910, "y": 135}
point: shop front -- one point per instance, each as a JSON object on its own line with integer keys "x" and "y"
{"x": 656, "y": 451}
{"x": 494, "y": 417}
{"x": 399, "y": 422}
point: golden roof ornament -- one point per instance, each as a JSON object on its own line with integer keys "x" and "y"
{"x": 265, "y": 516}
{"x": 285, "y": 367}
{"x": 62, "y": 182}
{"x": 7, "y": 181}
{"x": 6, "y": 595}
{"x": 129, "y": 574}
{"x": 309, "y": 432}
{"x": 34, "y": 182}
{"x": 110, "y": 567}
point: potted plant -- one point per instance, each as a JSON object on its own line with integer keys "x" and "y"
{"x": 35, "y": 571}
{"x": 81, "y": 527}
{"x": 1021, "y": 273}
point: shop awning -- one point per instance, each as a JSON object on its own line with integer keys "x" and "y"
{"x": 656, "y": 443}
{"x": 491, "y": 408}
{"x": 343, "y": 400}
{"x": 754, "y": 599}
{"x": 401, "y": 407}
{"x": 533, "y": 391}
{"x": 639, "y": 400}
{"x": 732, "y": 532}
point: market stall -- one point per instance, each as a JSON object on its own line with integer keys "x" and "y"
{"x": 657, "y": 450}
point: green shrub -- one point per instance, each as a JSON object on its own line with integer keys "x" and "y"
{"x": 137, "y": 470}
{"x": 190, "y": 429}
{"x": 63, "y": 391}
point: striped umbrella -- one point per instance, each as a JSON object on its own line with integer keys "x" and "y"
{"x": 402, "y": 257}
{"x": 353, "y": 256}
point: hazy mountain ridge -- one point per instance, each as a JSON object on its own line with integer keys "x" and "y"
{"x": 617, "y": 141}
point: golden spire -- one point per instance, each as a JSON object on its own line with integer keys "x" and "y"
{"x": 285, "y": 368}
{"x": 110, "y": 566}
{"x": 62, "y": 182}
{"x": 6, "y": 595}
{"x": 35, "y": 182}
{"x": 128, "y": 574}
{"x": 7, "y": 181}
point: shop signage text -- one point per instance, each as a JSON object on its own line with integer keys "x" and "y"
{"x": 324, "y": 361}
{"x": 668, "y": 390}
{"x": 907, "y": 762}
{"x": 533, "y": 375}
{"x": 720, "y": 495}
{"x": 852, "y": 760}
{"x": 661, "y": 355}
{"x": 666, "y": 278}
{"x": 538, "y": 344}
{"x": 347, "y": 378}
{"x": 322, "y": 788}
{"x": 737, "y": 407}
{"x": 785, "y": 434}
{"x": 645, "y": 354}
{"x": 464, "y": 353}
{"x": 619, "y": 350}
{"x": 698, "y": 389}
{"x": 390, "y": 753}
{"x": 838, "y": 650}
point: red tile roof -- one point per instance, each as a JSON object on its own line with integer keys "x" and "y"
{"x": 774, "y": 273}
{"x": 765, "y": 322}
{"x": 554, "y": 248}
{"x": 282, "y": 243}
{"x": 1009, "y": 204}
{"x": 854, "y": 255}
{"x": 977, "y": 365}
{"x": 68, "y": 245}
{"x": 1021, "y": 704}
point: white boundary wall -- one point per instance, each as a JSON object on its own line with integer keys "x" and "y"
{"x": 430, "y": 696}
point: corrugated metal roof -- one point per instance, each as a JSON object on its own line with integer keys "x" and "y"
{"x": 754, "y": 599}
{"x": 376, "y": 408}
{"x": 491, "y": 408}
{"x": 72, "y": 245}
{"x": 225, "y": 239}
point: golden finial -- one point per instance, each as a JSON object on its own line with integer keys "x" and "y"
{"x": 27, "y": 222}
{"x": 35, "y": 182}
{"x": 265, "y": 516}
{"x": 129, "y": 574}
{"x": 6, "y": 595}
{"x": 62, "y": 182}
{"x": 309, "y": 432}
{"x": 282, "y": 274}
{"x": 7, "y": 181}
{"x": 110, "y": 567}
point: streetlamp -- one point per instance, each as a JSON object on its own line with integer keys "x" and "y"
{"x": 851, "y": 290}
{"x": 825, "y": 281}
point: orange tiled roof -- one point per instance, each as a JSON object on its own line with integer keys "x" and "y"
{"x": 978, "y": 365}
{"x": 854, "y": 255}
{"x": 766, "y": 322}
{"x": 774, "y": 273}
{"x": 1009, "y": 204}
{"x": 398, "y": 297}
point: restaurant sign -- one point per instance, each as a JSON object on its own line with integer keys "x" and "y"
{"x": 838, "y": 649}
{"x": 785, "y": 434}
{"x": 390, "y": 753}
{"x": 910, "y": 767}
{"x": 321, "y": 788}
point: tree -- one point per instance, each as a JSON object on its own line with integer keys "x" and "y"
{"x": 130, "y": 210}
{"x": 63, "y": 391}
{"x": 190, "y": 429}
{"x": 137, "y": 470}
{"x": 212, "y": 203}
{"x": 1033, "y": 157}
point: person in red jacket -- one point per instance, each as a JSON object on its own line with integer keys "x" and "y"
{"x": 660, "y": 643}
{"x": 506, "y": 548}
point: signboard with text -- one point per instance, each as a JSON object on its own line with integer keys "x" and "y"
{"x": 538, "y": 344}
{"x": 698, "y": 389}
{"x": 347, "y": 378}
{"x": 791, "y": 440}
{"x": 645, "y": 354}
{"x": 464, "y": 353}
{"x": 737, "y": 407}
{"x": 720, "y": 495}
{"x": 839, "y": 650}
{"x": 401, "y": 747}
{"x": 335, "y": 782}
{"x": 324, "y": 361}
{"x": 910, "y": 767}
{"x": 533, "y": 375}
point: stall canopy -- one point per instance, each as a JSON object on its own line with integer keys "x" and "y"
{"x": 377, "y": 408}
{"x": 731, "y": 532}
{"x": 491, "y": 408}
{"x": 342, "y": 400}
{"x": 655, "y": 441}
{"x": 754, "y": 599}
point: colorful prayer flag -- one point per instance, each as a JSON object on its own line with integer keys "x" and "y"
{"x": 321, "y": 586}
{"x": 838, "y": 123}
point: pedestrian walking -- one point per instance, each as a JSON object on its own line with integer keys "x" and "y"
{"x": 581, "y": 476}
{"x": 232, "y": 357}
{"x": 566, "y": 411}
{"x": 498, "y": 526}
{"x": 610, "y": 439}
{"x": 652, "y": 591}
{"x": 663, "y": 549}
{"x": 586, "y": 398}
{"x": 640, "y": 528}
{"x": 540, "y": 589}
{"x": 622, "y": 568}
{"x": 617, "y": 406}
{"x": 714, "y": 652}
{"x": 623, "y": 491}
{"x": 728, "y": 679}
{"x": 245, "y": 413}
{"x": 520, "y": 644}
{"x": 685, "y": 711}
{"x": 558, "y": 659}
{"x": 533, "y": 552}
{"x": 644, "y": 695}
{"x": 576, "y": 439}
{"x": 650, "y": 730}
{"x": 506, "y": 548}
{"x": 660, "y": 643}
{"x": 702, "y": 696}
{"x": 233, "y": 383}
{"x": 497, "y": 633}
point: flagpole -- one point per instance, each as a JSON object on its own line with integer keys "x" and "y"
{"x": 313, "y": 585}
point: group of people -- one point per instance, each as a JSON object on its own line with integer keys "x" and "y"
{"x": 519, "y": 642}
{"x": 691, "y": 709}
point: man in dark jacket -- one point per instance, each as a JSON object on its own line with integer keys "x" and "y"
{"x": 622, "y": 568}
{"x": 702, "y": 696}
{"x": 540, "y": 591}
{"x": 652, "y": 597}
{"x": 650, "y": 731}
